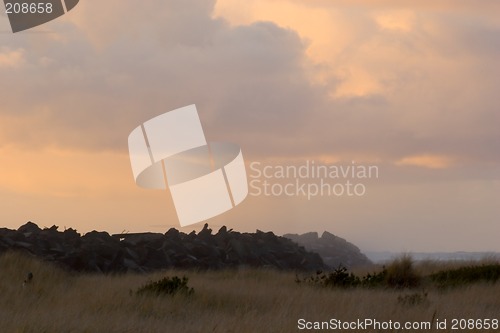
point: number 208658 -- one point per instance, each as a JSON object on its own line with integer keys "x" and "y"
{"x": 28, "y": 8}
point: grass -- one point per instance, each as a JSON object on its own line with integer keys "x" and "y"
{"x": 466, "y": 275}
{"x": 245, "y": 300}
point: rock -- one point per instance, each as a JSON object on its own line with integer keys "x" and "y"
{"x": 205, "y": 232}
{"x": 71, "y": 234}
{"x": 172, "y": 233}
{"x": 222, "y": 230}
{"x": 29, "y": 227}
{"x": 334, "y": 251}
{"x": 144, "y": 238}
{"x": 97, "y": 236}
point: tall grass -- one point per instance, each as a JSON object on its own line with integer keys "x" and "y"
{"x": 401, "y": 273}
{"x": 245, "y": 300}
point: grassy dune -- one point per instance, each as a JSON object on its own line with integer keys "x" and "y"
{"x": 224, "y": 301}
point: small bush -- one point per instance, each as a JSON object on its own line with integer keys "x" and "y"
{"x": 401, "y": 273}
{"x": 339, "y": 278}
{"x": 375, "y": 279}
{"x": 167, "y": 286}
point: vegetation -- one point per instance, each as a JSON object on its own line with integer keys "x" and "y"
{"x": 167, "y": 286}
{"x": 466, "y": 275}
{"x": 340, "y": 278}
{"x": 402, "y": 274}
{"x": 244, "y": 300}
{"x": 413, "y": 299}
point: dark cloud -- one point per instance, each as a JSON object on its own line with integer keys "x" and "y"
{"x": 244, "y": 79}
{"x": 98, "y": 76}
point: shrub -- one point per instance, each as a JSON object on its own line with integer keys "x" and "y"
{"x": 375, "y": 279}
{"x": 341, "y": 279}
{"x": 401, "y": 273}
{"x": 167, "y": 286}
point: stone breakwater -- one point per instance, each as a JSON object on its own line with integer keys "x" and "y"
{"x": 145, "y": 252}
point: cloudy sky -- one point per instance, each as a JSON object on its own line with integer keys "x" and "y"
{"x": 408, "y": 86}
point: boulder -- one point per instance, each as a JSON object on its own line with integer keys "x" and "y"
{"x": 334, "y": 251}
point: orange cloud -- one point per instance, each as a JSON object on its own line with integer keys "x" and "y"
{"x": 399, "y": 20}
{"x": 11, "y": 58}
{"x": 426, "y": 161}
{"x": 332, "y": 35}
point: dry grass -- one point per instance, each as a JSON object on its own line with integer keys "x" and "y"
{"x": 224, "y": 301}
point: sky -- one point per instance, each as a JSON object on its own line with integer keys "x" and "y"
{"x": 410, "y": 87}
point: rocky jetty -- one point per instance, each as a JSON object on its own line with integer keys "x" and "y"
{"x": 101, "y": 252}
{"x": 333, "y": 250}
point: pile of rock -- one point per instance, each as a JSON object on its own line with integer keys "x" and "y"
{"x": 144, "y": 252}
{"x": 334, "y": 250}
